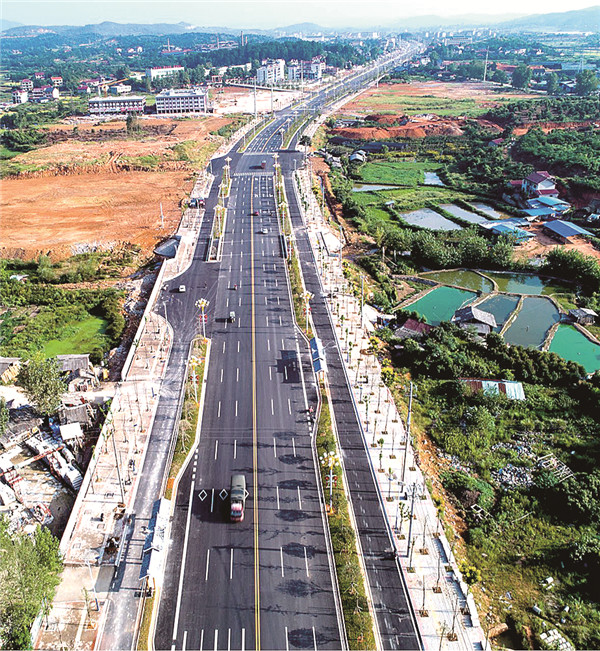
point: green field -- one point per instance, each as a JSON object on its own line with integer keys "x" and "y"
{"x": 416, "y": 105}
{"x": 77, "y": 338}
{"x": 397, "y": 172}
{"x": 406, "y": 199}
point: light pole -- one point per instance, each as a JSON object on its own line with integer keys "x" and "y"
{"x": 202, "y": 304}
{"x": 330, "y": 460}
{"x": 307, "y": 298}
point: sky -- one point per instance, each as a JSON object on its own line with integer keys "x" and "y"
{"x": 262, "y": 13}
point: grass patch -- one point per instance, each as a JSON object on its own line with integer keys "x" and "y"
{"x": 400, "y": 172}
{"x": 298, "y": 294}
{"x": 196, "y": 153}
{"x": 189, "y": 414}
{"x": 142, "y": 644}
{"x": 357, "y": 617}
{"x": 78, "y": 338}
{"x": 417, "y": 105}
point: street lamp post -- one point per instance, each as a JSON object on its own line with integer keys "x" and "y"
{"x": 202, "y": 304}
{"x": 330, "y": 460}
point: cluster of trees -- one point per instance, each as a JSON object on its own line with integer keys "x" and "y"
{"x": 549, "y": 109}
{"x": 565, "y": 152}
{"x": 580, "y": 268}
{"x": 22, "y": 140}
{"x": 29, "y": 571}
{"x": 28, "y": 116}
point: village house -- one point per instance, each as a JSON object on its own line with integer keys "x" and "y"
{"x": 583, "y": 315}
{"x": 39, "y": 75}
{"x": 473, "y": 318}
{"x": 539, "y": 184}
{"x": 412, "y": 329}
{"x": 26, "y": 84}
{"x": 20, "y": 96}
{"x": 56, "y": 81}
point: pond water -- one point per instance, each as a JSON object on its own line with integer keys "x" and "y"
{"x": 427, "y": 218}
{"x": 462, "y": 278}
{"x": 431, "y": 178}
{"x": 570, "y": 344}
{"x": 534, "y": 320}
{"x": 465, "y": 215}
{"x": 488, "y": 210}
{"x": 371, "y": 187}
{"x": 526, "y": 283}
{"x": 500, "y": 306}
{"x": 441, "y": 303}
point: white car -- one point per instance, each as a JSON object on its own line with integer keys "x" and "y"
{"x": 181, "y": 289}
{"x": 264, "y": 230}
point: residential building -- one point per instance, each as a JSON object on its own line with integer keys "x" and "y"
{"x": 163, "y": 71}
{"x": 44, "y": 94}
{"x": 539, "y": 184}
{"x": 120, "y": 89}
{"x": 270, "y": 72}
{"x": 308, "y": 70}
{"x": 412, "y": 329}
{"x": 39, "y": 75}
{"x": 20, "y": 96}
{"x": 117, "y": 105}
{"x": 56, "y": 81}
{"x": 564, "y": 231}
{"x": 583, "y": 315}
{"x": 182, "y": 100}
{"x": 26, "y": 84}
{"x": 83, "y": 89}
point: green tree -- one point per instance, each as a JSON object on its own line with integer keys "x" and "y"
{"x": 132, "y": 124}
{"x": 552, "y": 83}
{"x": 500, "y": 77}
{"x": 521, "y": 76}
{"x": 586, "y": 82}
{"x": 3, "y": 417}
{"x": 43, "y": 384}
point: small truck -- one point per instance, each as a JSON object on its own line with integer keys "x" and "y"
{"x": 237, "y": 497}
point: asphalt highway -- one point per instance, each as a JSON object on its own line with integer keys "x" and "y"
{"x": 266, "y": 582}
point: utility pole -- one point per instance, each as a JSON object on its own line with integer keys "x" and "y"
{"x": 117, "y": 464}
{"x": 407, "y": 435}
{"x": 486, "y": 64}
{"x": 412, "y": 513}
{"x": 255, "y": 98}
{"x": 362, "y": 299}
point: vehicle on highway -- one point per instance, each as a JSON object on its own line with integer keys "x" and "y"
{"x": 237, "y": 497}
{"x": 263, "y": 164}
{"x": 290, "y": 360}
{"x": 255, "y": 213}
{"x": 231, "y": 316}
{"x": 181, "y": 289}
{"x": 264, "y": 230}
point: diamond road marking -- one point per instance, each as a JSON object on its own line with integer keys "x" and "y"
{"x": 223, "y": 494}
{"x": 202, "y": 495}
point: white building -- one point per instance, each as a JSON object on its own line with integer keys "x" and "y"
{"x": 117, "y": 105}
{"x": 182, "y": 100}
{"x": 120, "y": 89}
{"x": 163, "y": 71}
{"x": 44, "y": 94}
{"x": 20, "y": 96}
{"x": 310, "y": 70}
{"x": 270, "y": 72}
{"x": 26, "y": 84}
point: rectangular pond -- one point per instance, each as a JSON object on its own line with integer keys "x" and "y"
{"x": 516, "y": 283}
{"x": 431, "y": 178}
{"x": 428, "y": 218}
{"x": 465, "y": 215}
{"x": 533, "y": 321}
{"x": 462, "y": 278}
{"x": 440, "y": 304}
{"x": 500, "y": 306}
{"x": 571, "y": 344}
{"x": 492, "y": 213}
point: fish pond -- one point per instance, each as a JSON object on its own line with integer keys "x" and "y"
{"x": 535, "y": 318}
{"x": 465, "y": 215}
{"x": 500, "y": 306}
{"x": 430, "y": 219}
{"x": 462, "y": 278}
{"x": 516, "y": 283}
{"x": 440, "y": 304}
{"x": 571, "y": 344}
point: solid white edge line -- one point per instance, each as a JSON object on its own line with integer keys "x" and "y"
{"x": 183, "y": 557}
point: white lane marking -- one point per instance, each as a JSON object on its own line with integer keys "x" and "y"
{"x": 227, "y": 303}
{"x": 268, "y": 345}
{"x": 285, "y": 372}
{"x": 240, "y": 302}
{"x": 243, "y": 639}
{"x": 278, "y": 300}
{"x": 236, "y": 408}
{"x": 294, "y": 445}
{"x": 282, "y": 344}
{"x": 228, "y": 639}
{"x": 289, "y": 406}
{"x": 237, "y": 374}
{"x": 299, "y": 498}
{"x": 277, "y": 493}
{"x": 183, "y": 557}
{"x": 239, "y": 323}
{"x": 266, "y": 302}
{"x": 201, "y": 639}
{"x": 287, "y": 642}
{"x": 314, "y": 638}
{"x": 207, "y": 562}
{"x": 280, "y": 321}
{"x": 267, "y": 321}
{"x": 216, "y": 449}
{"x": 217, "y": 638}
{"x": 276, "y": 282}
{"x": 238, "y": 346}
{"x": 223, "y": 347}
{"x": 172, "y": 647}
{"x": 281, "y": 556}
{"x": 265, "y": 282}
{"x": 274, "y": 267}
{"x": 270, "y": 374}
{"x": 272, "y": 408}
{"x": 235, "y": 448}
{"x": 231, "y": 565}
{"x": 184, "y": 641}
{"x": 219, "y": 410}
{"x": 275, "y": 447}
{"x": 306, "y": 563}
{"x": 221, "y": 375}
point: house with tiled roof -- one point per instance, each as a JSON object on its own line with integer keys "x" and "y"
{"x": 539, "y": 184}
{"x": 473, "y": 318}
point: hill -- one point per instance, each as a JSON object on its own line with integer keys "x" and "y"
{"x": 580, "y": 20}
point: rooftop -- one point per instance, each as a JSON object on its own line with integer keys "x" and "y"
{"x": 565, "y": 229}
